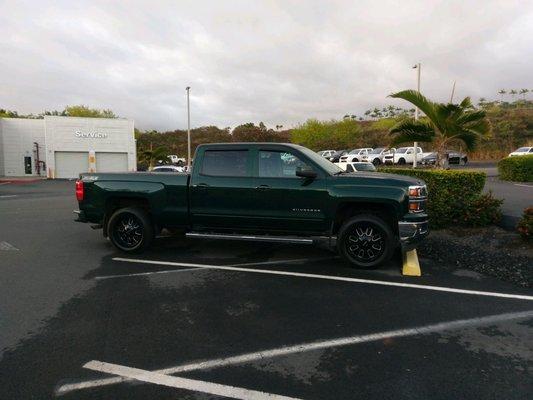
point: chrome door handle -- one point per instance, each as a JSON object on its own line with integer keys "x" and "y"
{"x": 263, "y": 187}
{"x": 201, "y": 186}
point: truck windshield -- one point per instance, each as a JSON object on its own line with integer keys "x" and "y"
{"x": 377, "y": 151}
{"x": 326, "y": 165}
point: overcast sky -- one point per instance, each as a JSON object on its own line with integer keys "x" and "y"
{"x": 280, "y": 62}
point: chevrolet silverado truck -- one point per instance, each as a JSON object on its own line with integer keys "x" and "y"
{"x": 261, "y": 192}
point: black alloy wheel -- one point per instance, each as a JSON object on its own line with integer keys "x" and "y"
{"x": 130, "y": 229}
{"x": 376, "y": 161}
{"x": 366, "y": 241}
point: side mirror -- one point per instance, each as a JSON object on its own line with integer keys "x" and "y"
{"x": 306, "y": 172}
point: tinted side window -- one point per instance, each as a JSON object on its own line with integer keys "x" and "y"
{"x": 225, "y": 163}
{"x": 278, "y": 164}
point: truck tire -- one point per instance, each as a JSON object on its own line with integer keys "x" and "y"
{"x": 401, "y": 161}
{"x": 376, "y": 161}
{"x": 365, "y": 241}
{"x": 130, "y": 230}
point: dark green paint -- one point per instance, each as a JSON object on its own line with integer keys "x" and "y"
{"x": 291, "y": 205}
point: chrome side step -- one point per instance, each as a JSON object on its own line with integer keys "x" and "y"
{"x": 251, "y": 238}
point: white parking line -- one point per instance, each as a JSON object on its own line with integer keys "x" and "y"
{"x": 334, "y": 278}
{"x": 168, "y": 271}
{"x": 183, "y": 383}
{"x": 304, "y": 347}
{"x": 8, "y": 196}
{"x": 519, "y": 184}
{"x": 4, "y": 183}
{"x": 203, "y": 266}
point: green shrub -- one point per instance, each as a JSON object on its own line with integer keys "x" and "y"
{"x": 455, "y": 197}
{"x": 517, "y": 169}
{"x": 525, "y": 225}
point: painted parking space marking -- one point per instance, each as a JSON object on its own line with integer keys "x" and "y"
{"x": 523, "y": 185}
{"x": 168, "y": 271}
{"x": 8, "y": 196}
{"x": 204, "y": 266}
{"x": 333, "y": 278}
{"x": 304, "y": 347}
{"x": 5, "y": 246}
{"x": 183, "y": 383}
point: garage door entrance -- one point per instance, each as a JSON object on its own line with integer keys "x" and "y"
{"x": 69, "y": 164}
{"x": 111, "y": 162}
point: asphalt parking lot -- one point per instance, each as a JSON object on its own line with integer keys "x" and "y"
{"x": 201, "y": 319}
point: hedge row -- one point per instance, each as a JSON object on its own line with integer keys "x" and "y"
{"x": 455, "y": 197}
{"x": 517, "y": 169}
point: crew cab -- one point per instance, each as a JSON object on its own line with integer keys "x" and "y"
{"x": 405, "y": 155}
{"x": 260, "y": 191}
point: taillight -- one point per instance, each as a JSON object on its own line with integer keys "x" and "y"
{"x": 79, "y": 190}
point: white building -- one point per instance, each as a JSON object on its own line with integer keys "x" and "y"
{"x": 63, "y": 147}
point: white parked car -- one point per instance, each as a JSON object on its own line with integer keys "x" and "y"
{"x": 405, "y": 155}
{"x": 522, "y": 151}
{"x": 327, "y": 153}
{"x": 377, "y": 156}
{"x": 169, "y": 168}
{"x": 179, "y": 161}
{"x": 355, "y": 155}
{"x": 358, "y": 166}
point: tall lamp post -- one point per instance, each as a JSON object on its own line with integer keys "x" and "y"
{"x": 188, "y": 88}
{"x": 418, "y": 67}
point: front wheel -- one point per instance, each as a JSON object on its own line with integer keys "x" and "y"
{"x": 376, "y": 161}
{"x": 131, "y": 230}
{"x": 401, "y": 161}
{"x": 365, "y": 241}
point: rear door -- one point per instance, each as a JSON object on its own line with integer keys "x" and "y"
{"x": 285, "y": 202}
{"x": 221, "y": 192}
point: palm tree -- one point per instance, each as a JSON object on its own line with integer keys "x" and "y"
{"x": 512, "y": 92}
{"x": 501, "y": 92}
{"x": 443, "y": 123}
{"x": 151, "y": 156}
{"x": 523, "y": 92}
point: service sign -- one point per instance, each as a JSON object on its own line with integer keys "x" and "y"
{"x": 91, "y": 135}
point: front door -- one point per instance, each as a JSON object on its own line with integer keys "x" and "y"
{"x": 285, "y": 202}
{"x": 27, "y": 165}
{"x": 221, "y": 193}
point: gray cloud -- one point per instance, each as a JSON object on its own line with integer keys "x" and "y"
{"x": 280, "y": 62}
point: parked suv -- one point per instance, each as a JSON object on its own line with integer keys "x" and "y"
{"x": 377, "y": 156}
{"x": 267, "y": 192}
{"x": 327, "y": 153}
{"x": 355, "y": 155}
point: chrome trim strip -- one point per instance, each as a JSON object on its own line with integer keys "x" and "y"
{"x": 273, "y": 239}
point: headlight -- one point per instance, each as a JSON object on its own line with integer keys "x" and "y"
{"x": 417, "y": 198}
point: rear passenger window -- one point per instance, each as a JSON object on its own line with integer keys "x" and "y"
{"x": 225, "y": 163}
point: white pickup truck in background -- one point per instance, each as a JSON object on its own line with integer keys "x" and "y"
{"x": 405, "y": 155}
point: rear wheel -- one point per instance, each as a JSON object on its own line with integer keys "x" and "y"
{"x": 130, "y": 230}
{"x": 401, "y": 161}
{"x": 376, "y": 161}
{"x": 365, "y": 241}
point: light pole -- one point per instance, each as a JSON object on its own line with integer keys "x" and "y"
{"x": 418, "y": 67}
{"x": 188, "y": 88}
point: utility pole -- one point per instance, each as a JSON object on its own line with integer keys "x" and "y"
{"x": 418, "y": 67}
{"x": 453, "y": 92}
{"x": 188, "y": 88}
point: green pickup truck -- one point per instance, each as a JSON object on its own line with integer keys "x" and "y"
{"x": 263, "y": 192}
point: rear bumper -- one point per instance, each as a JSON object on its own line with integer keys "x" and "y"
{"x": 412, "y": 233}
{"x": 80, "y": 216}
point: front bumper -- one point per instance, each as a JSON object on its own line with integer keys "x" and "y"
{"x": 412, "y": 233}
